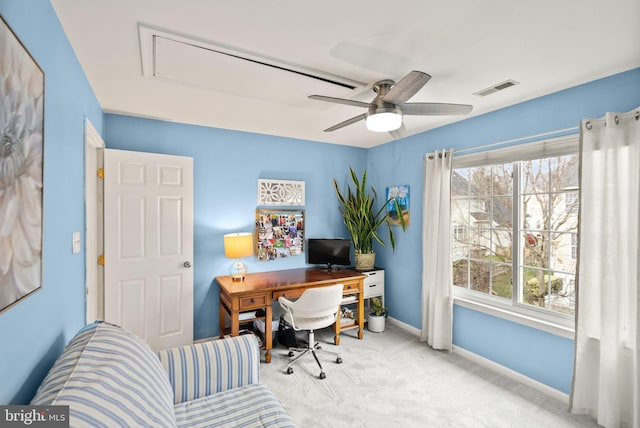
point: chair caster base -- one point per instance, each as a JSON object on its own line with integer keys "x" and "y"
{"x": 290, "y": 354}
{"x": 338, "y": 360}
{"x": 322, "y": 375}
{"x": 289, "y": 370}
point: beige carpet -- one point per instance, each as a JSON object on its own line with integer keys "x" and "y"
{"x": 390, "y": 379}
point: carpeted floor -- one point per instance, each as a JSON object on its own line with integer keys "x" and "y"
{"x": 390, "y": 379}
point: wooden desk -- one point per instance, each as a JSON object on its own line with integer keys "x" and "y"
{"x": 259, "y": 290}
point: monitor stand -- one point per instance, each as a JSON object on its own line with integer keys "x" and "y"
{"x": 332, "y": 268}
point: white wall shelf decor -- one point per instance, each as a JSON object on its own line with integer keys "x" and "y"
{"x": 280, "y": 192}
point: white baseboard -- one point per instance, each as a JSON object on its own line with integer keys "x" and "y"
{"x": 406, "y": 327}
{"x": 505, "y": 371}
{"x": 512, "y": 374}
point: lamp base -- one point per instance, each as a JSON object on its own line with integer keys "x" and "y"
{"x": 238, "y": 271}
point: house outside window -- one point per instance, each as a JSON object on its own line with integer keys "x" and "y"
{"x": 519, "y": 211}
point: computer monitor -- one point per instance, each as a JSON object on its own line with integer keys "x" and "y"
{"x": 331, "y": 252}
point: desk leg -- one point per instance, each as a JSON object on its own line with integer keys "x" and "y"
{"x": 336, "y": 330}
{"x": 268, "y": 333}
{"x": 222, "y": 320}
{"x": 360, "y": 315}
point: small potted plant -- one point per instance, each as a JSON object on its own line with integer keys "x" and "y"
{"x": 377, "y": 315}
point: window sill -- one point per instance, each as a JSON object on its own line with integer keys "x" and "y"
{"x": 510, "y": 314}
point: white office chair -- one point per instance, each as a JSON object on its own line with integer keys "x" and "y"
{"x": 316, "y": 308}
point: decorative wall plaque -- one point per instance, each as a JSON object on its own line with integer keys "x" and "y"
{"x": 280, "y": 192}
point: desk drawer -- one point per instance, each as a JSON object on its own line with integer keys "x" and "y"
{"x": 288, "y": 294}
{"x": 251, "y": 302}
{"x": 350, "y": 287}
{"x": 373, "y": 289}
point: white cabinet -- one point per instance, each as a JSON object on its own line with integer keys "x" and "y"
{"x": 373, "y": 287}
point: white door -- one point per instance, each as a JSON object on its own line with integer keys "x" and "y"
{"x": 148, "y": 245}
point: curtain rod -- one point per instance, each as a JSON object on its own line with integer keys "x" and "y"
{"x": 515, "y": 140}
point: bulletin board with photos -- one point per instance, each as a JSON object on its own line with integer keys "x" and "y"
{"x": 279, "y": 234}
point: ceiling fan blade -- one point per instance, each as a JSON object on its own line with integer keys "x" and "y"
{"x": 339, "y": 101}
{"x": 398, "y": 133}
{"x": 407, "y": 87}
{"x": 347, "y": 122}
{"x": 435, "y": 109}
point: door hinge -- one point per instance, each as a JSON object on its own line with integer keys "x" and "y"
{"x": 101, "y": 173}
{"x": 101, "y": 260}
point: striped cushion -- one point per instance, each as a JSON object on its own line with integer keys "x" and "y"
{"x": 249, "y": 406}
{"x": 109, "y": 377}
{"x": 209, "y": 367}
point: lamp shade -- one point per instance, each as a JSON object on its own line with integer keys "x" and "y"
{"x": 384, "y": 119}
{"x": 238, "y": 245}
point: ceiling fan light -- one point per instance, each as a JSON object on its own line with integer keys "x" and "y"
{"x": 384, "y": 121}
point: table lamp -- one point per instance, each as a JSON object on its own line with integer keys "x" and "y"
{"x": 236, "y": 246}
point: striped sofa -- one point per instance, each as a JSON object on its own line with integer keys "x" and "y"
{"x": 109, "y": 377}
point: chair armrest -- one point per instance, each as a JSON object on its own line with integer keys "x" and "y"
{"x": 206, "y": 368}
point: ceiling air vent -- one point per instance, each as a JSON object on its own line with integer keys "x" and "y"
{"x": 497, "y": 87}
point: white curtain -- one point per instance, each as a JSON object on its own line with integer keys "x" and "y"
{"x": 436, "y": 261}
{"x": 606, "y": 381}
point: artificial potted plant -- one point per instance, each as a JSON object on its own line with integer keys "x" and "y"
{"x": 377, "y": 315}
{"x": 363, "y": 220}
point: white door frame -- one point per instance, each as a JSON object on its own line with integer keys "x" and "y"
{"x": 94, "y": 279}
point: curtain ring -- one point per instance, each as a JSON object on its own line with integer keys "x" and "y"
{"x": 616, "y": 120}
{"x": 588, "y": 126}
{"x": 638, "y": 115}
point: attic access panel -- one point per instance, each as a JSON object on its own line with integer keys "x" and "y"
{"x": 229, "y": 70}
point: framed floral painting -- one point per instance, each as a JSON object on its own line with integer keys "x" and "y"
{"x": 401, "y": 195}
{"x": 21, "y": 151}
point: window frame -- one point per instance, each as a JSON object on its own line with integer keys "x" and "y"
{"x": 512, "y": 309}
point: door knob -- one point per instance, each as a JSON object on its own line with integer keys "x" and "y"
{"x": 187, "y": 264}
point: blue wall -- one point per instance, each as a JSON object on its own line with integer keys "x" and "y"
{"x": 560, "y": 110}
{"x": 34, "y": 332}
{"x": 227, "y": 165}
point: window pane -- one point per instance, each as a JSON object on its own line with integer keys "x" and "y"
{"x": 535, "y": 211}
{"x": 503, "y": 179}
{"x": 503, "y": 212}
{"x": 460, "y": 182}
{"x": 501, "y": 246}
{"x": 480, "y": 181}
{"x": 535, "y": 176}
{"x": 535, "y": 287}
{"x": 459, "y": 242}
{"x": 481, "y": 212}
{"x": 460, "y": 211}
{"x": 535, "y": 251}
{"x": 564, "y": 299}
{"x": 501, "y": 280}
{"x": 479, "y": 276}
{"x": 564, "y": 216}
{"x": 461, "y": 273}
{"x": 564, "y": 173}
{"x": 562, "y": 253}
{"x": 571, "y": 202}
{"x": 479, "y": 243}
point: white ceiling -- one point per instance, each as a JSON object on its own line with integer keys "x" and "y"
{"x": 465, "y": 45}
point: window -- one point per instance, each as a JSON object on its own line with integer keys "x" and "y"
{"x": 518, "y": 209}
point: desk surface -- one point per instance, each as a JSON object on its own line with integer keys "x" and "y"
{"x": 284, "y": 279}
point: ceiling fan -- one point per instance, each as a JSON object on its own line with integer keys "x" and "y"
{"x": 384, "y": 113}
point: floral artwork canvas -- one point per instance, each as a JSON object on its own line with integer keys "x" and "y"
{"x": 21, "y": 151}
{"x": 401, "y": 195}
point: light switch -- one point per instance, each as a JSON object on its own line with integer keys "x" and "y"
{"x": 75, "y": 243}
